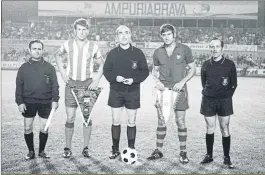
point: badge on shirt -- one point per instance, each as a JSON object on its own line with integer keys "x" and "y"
{"x": 47, "y": 79}
{"x": 178, "y": 56}
{"x": 224, "y": 81}
{"x": 134, "y": 64}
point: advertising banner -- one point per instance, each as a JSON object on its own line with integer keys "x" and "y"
{"x": 10, "y": 65}
{"x": 151, "y": 9}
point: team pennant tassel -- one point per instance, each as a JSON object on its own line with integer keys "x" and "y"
{"x": 86, "y": 100}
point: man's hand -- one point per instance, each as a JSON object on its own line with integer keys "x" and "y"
{"x": 55, "y": 105}
{"x": 22, "y": 108}
{"x": 120, "y": 79}
{"x": 65, "y": 77}
{"x": 160, "y": 86}
{"x": 94, "y": 85}
{"x": 179, "y": 86}
{"x": 128, "y": 81}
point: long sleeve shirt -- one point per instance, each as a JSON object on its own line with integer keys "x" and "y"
{"x": 36, "y": 82}
{"x": 219, "y": 78}
{"x": 128, "y": 63}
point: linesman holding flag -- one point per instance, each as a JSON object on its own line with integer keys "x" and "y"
{"x": 81, "y": 90}
{"x": 37, "y": 91}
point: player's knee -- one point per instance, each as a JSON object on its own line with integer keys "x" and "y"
{"x": 69, "y": 125}
{"x": 131, "y": 123}
{"x": 28, "y": 130}
{"x": 116, "y": 121}
{"x": 181, "y": 124}
{"x": 224, "y": 126}
{"x": 42, "y": 130}
{"x": 161, "y": 123}
{"x": 71, "y": 119}
{"x": 210, "y": 129}
{"x": 225, "y": 131}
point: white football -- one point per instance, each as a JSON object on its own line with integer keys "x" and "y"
{"x": 129, "y": 156}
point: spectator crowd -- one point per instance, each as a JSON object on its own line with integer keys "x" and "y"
{"x": 52, "y": 30}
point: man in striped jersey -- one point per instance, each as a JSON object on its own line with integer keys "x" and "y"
{"x": 82, "y": 54}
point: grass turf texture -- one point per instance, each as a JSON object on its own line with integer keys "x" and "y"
{"x": 247, "y": 127}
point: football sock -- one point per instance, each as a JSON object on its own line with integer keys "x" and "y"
{"x": 69, "y": 131}
{"x": 43, "y": 140}
{"x": 87, "y": 133}
{"x": 131, "y": 134}
{"x": 226, "y": 145}
{"x": 29, "y": 141}
{"x": 209, "y": 144}
{"x": 116, "y": 132}
{"x": 160, "y": 136}
{"x": 182, "y": 134}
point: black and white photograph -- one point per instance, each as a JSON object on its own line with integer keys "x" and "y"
{"x": 133, "y": 87}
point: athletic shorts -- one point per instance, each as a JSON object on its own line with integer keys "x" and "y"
{"x": 221, "y": 107}
{"x": 182, "y": 104}
{"x": 69, "y": 98}
{"x": 117, "y": 99}
{"x": 42, "y": 109}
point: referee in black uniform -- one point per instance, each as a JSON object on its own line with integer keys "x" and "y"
{"x": 219, "y": 81}
{"x": 37, "y": 91}
{"x": 125, "y": 68}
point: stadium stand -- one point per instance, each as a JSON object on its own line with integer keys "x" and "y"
{"x": 51, "y": 30}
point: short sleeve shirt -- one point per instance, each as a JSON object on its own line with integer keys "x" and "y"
{"x": 80, "y": 60}
{"x": 172, "y": 69}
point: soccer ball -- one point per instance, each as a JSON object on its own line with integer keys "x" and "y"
{"x": 129, "y": 156}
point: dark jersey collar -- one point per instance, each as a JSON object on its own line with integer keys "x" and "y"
{"x": 221, "y": 60}
{"x": 41, "y": 60}
{"x": 120, "y": 48}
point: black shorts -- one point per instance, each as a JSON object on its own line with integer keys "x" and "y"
{"x": 221, "y": 107}
{"x": 42, "y": 109}
{"x": 117, "y": 99}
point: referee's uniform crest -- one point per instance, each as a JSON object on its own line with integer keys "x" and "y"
{"x": 224, "y": 81}
{"x": 134, "y": 64}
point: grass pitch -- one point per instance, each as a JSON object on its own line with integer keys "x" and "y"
{"x": 247, "y": 127}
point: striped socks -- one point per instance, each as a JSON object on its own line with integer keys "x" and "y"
{"x": 160, "y": 136}
{"x": 182, "y": 134}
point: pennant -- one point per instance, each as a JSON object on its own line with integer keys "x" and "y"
{"x": 85, "y": 98}
{"x": 166, "y": 102}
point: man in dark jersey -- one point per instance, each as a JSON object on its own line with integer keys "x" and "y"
{"x": 37, "y": 91}
{"x": 219, "y": 81}
{"x": 125, "y": 69}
